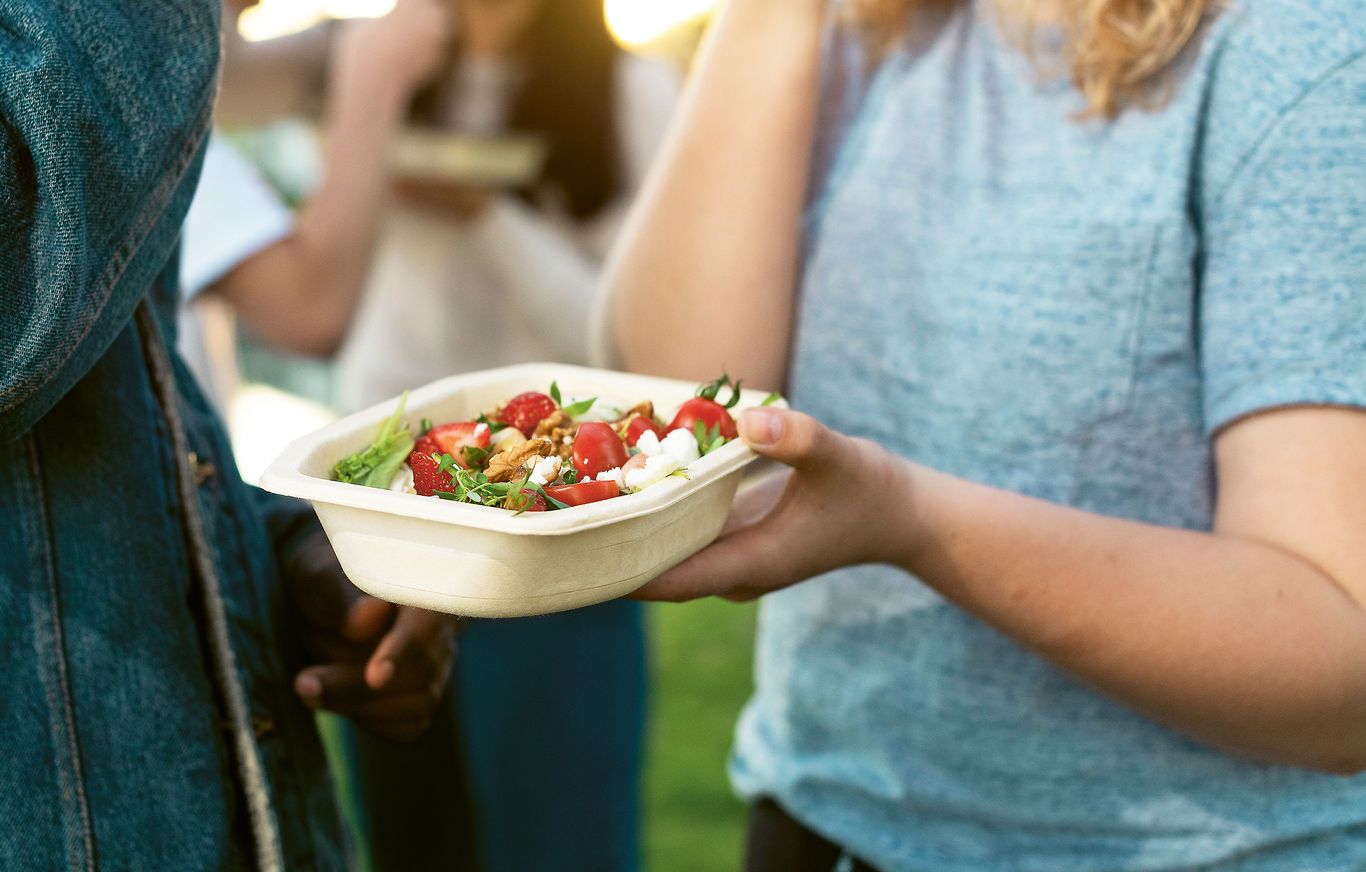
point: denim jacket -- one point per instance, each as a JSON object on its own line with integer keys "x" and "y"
{"x": 146, "y": 715}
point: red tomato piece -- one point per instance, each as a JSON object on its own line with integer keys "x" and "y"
{"x": 526, "y": 500}
{"x": 597, "y": 448}
{"x": 584, "y": 492}
{"x": 709, "y": 412}
{"x": 453, "y": 439}
{"x": 525, "y": 411}
{"x": 638, "y": 426}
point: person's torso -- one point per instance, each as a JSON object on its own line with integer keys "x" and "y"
{"x": 1006, "y": 294}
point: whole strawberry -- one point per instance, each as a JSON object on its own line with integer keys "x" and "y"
{"x": 525, "y": 411}
{"x": 427, "y": 475}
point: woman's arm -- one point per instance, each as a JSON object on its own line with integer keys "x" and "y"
{"x": 300, "y": 293}
{"x": 1251, "y": 637}
{"x": 704, "y": 275}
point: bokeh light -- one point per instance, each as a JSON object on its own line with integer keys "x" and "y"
{"x": 270, "y": 19}
{"x": 639, "y": 23}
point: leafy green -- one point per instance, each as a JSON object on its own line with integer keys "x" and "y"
{"x": 772, "y": 398}
{"x": 473, "y": 486}
{"x": 379, "y": 462}
{"x": 555, "y": 393}
{"x": 711, "y": 390}
{"x": 494, "y": 426}
{"x": 708, "y": 440}
{"x": 425, "y": 427}
{"x": 579, "y": 408}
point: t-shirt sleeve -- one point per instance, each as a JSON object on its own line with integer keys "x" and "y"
{"x": 234, "y": 215}
{"x": 1283, "y": 283}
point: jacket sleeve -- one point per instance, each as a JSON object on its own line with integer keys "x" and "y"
{"x": 104, "y": 105}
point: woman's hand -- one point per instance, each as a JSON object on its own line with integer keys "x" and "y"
{"x": 841, "y": 503}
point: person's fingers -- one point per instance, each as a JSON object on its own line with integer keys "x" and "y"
{"x": 739, "y": 566}
{"x": 415, "y": 651}
{"x": 754, "y": 501}
{"x": 367, "y": 619}
{"x": 388, "y": 707}
{"x": 331, "y": 685}
{"x": 798, "y": 440}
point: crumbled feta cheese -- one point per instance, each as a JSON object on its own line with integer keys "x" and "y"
{"x": 681, "y": 445}
{"x": 546, "y": 470}
{"x": 613, "y": 474}
{"x": 656, "y": 469}
{"x": 649, "y": 444}
{"x": 402, "y": 482}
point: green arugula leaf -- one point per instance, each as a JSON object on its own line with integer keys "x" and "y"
{"x": 579, "y": 408}
{"x": 425, "y": 427}
{"x": 555, "y": 393}
{"x": 494, "y": 426}
{"x": 772, "y": 398}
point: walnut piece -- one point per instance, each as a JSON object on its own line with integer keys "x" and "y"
{"x": 644, "y": 410}
{"x": 511, "y": 464}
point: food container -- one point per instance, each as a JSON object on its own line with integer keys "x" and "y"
{"x": 491, "y": 162}
{"x": 486, "y": 562}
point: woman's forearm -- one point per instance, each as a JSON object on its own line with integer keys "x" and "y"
{"x": 703, "y": 276}
{"x": 299, "y": 294}
{"x": 1230, "y": 640}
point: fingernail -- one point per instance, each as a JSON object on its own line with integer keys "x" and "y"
{"x": 308, "y": 687}
{"x": 761, "y": 426}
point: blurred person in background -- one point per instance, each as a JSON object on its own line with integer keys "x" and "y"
{"x": 158, "y": 610}
{"x": 469, "y": 278}
{"x": 1092, "y": 582}
{"x": 294, "y": 280}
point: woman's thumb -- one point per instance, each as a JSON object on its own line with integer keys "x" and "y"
{"x": 788, "y": 437}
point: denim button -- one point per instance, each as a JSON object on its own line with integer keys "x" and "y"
{"x": 203, "y": 470}
{"x": 262, "y": 726}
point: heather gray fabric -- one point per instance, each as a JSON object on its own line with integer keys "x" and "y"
{"x": 1068, "y": 310}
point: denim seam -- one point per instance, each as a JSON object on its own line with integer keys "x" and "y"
{"x": 60, "y": 698}
{"x": 251, "y": 767}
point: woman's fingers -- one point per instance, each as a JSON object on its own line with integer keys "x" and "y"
{"x": 739, "y": 566}
{"x": 798, "y": 440}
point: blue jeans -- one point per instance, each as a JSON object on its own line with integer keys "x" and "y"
{"x": 537, "y": 760}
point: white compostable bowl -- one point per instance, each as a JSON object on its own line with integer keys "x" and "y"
{"x": 486, "y": 562}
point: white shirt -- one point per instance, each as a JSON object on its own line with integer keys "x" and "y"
{"x": 234, "y": 215}
{"x": 517, "y": 284}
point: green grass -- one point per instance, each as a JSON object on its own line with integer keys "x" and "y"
{"x": 701, "y": 671}
{"x": 701, "y": 656}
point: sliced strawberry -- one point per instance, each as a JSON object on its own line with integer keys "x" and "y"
{"x": 427, "y": 475}
{"x": 454, "y": 438}
{"x": 525, "y": 411}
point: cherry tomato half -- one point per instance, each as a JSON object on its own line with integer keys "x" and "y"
{"x": 639, "y": 426}
{"x": 584, "y": 492}
{"x": 597, "y": 448}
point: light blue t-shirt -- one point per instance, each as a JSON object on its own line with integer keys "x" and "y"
{"x": 1066, "y": 309}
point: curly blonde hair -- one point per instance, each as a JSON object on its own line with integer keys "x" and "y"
{"x": 1114, "y": 50}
